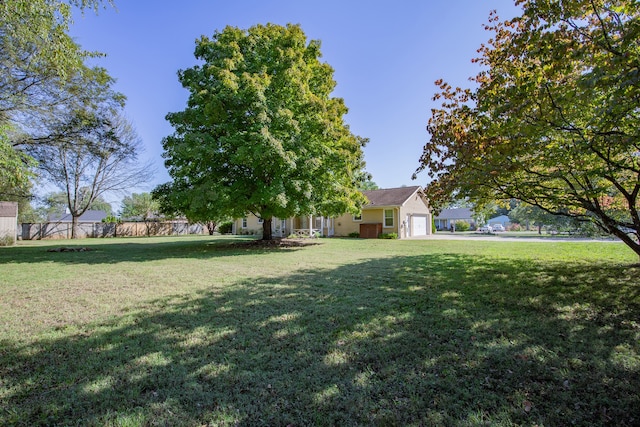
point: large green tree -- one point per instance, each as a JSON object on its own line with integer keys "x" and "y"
{"x": 552, "y": 119}
{"x": 261, "y": 132}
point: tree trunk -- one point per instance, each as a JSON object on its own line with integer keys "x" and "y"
{"x": 74, "y": 227}
{"x": 211, "y": 227}
{"x": 628, "y": 240}
{"x": 266, "y": 229}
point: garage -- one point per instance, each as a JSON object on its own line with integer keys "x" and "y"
{"x": 419, "y": 225}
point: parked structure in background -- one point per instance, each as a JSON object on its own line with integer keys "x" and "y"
{"x": 503, "y": 220}
{"x": 403, "y": 211}
{"x": 8, "y": 223}
{"x": 448, "y": 217}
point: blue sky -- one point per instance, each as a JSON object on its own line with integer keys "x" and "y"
{"x": 386, "y": 56}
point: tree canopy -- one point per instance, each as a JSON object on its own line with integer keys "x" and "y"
{"x": 56, "y": 110}
{"x": 15, "y": 170}
{"x": 139, "y": 206}
{"x": 37, "y": 56}
{"x": 552, "y": 118}
{"x": 56, "y": 203}
{"x": 42, "y": 73}
{"x": 261, "y": 132}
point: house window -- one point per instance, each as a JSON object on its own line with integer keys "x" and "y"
{"x": 388, "y": 217}
{"x": 358, "y": 217}
{"x": 244, "y": 222}
{"x": 260, "y": 220}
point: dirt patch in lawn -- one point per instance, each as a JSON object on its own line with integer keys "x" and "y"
{"x": 276, "y": 243}
{"x": 70, "y": 249}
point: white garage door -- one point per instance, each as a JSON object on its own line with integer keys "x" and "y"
{"x": 419, "y": 226}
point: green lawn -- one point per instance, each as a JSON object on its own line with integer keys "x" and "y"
{"x": 196, "y": 331}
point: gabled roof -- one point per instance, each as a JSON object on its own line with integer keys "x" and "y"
{"x": 500, "y": 218}
{"x": 8, "y": 209}
{"x": 88, "y": 216}
{"x": 389, "y": 196}
{"x": 456, "y": 213}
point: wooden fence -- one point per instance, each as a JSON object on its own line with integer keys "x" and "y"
{"x": 62, "y": 230}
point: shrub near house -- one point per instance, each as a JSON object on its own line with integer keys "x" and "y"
{"x": 462, "y": 226}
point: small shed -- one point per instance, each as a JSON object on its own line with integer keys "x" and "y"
{"x": 8, "y": 222}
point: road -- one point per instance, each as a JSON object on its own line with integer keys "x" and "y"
{"x": 509, "y": 237}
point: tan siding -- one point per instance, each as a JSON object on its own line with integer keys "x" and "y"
{"x": 372, "y": 216}
{"x": 345, "y": 225}
{"x": 253, "y": 226}
{"x": 416, "y": 206}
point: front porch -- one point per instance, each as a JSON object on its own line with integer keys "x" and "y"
{"x": 304, "y": 227}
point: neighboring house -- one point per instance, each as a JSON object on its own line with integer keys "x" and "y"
{"x": 8, "y": 221}
{"x": 88, "y": 216}
{"x": 403, "y": 210}
{"x": 502, "y": 219}
{"x": 448, "y": 217}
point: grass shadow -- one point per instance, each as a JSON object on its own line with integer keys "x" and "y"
{"x": 442, "y": 339}
{"x": 143, "y": 249}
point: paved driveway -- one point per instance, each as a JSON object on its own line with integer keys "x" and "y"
{"x": 506, "y": 237}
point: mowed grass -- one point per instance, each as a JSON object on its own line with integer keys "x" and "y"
{"x": 196, "y": 331}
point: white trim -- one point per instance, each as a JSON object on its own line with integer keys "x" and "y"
{"x": 414, "y": 221}
{"x": 384, "y": 218}
{"x": 408, "y": 226}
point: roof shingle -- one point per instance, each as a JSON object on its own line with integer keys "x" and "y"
{"x": 88, "y": 216}
{"x": 8, "y": 209}
{"x": 389, "y": 196}
{"x": 455, "y": 213}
